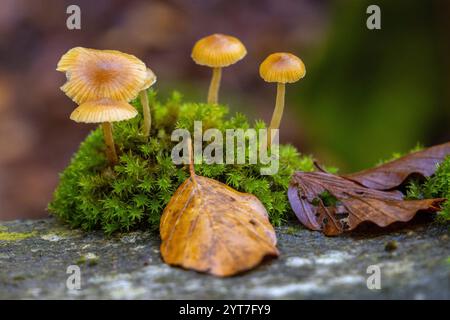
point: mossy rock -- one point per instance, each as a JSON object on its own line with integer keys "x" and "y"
{"x": 129, "y": 266}
{"x": 133, "y": 194}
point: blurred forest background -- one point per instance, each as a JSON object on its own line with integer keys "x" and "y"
{"x": 366, "y": 93}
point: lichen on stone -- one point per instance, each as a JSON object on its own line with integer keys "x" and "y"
{"x": 15, "y": 236}
{"x": 91, "y": 259}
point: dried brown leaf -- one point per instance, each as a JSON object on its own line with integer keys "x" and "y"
{"x": 394, "y": 173}
{"x": 353, "y": 203}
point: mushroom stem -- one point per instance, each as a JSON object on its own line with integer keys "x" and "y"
{"x": 146, "y": 110}
{"x": 213, "y": 92}
{"x": 278, "y": 111}
{"x": 109, "y": 141}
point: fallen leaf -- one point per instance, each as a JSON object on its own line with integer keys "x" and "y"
{"x": 351, "y": 203}
{"x": 394, "y": 173}
{"x": 210, "y": 227}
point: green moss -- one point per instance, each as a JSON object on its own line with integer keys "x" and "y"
{"x": 293, "y": 230}
{"x": 133, "y": 194}
{"x": 391, "y": 246}
{"x": 436, "y": 186}
{"x": 19, "y": 278}
{"x": 326, "y": 198}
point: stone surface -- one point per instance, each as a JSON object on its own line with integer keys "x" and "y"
{"x": 35, "y": 255}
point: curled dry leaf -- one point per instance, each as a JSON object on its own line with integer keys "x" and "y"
{"x": 394, "y": 173}
{"x": 332, "y": 204}
{"x": 210, "y": 227}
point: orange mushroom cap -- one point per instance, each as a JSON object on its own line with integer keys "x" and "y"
{"x": 282, "y": 67}
{"x": 218, "y": 50}
{"x": 103, "y": 110}
{"x": 93, "y": 74}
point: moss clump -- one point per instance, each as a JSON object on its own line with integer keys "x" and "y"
{"x": 436, "y": 186}
{"x": 134, "y": 193}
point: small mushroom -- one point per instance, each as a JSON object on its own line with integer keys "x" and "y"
{"x": 217, "y": 51}
{"x": 102, "y": 82}
{"x": 105, "y": 111}
{"x": 94, "y": 74}
{"x": 149, "y": 81}
{"x": 281, "y": 68}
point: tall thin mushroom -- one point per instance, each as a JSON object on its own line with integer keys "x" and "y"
{"x": 282, "y": 68}
{"x": 217, "y": 51}
{"x": 150, "y": 80}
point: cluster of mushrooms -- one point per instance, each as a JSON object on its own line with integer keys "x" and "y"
{"x": 103, "y": 82}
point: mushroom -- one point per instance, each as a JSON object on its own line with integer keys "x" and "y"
{"x": 217, "y": 51}
{"x": 282, "y": 68}
{"x": 93, "y": 74}
{"x": 102, "y": 82}
{"x": 149, "y": 81}
{"x": 105, "y": 111}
